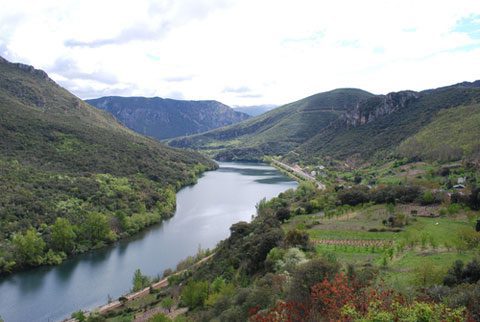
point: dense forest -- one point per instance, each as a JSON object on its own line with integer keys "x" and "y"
{"x": 72, "y": 178}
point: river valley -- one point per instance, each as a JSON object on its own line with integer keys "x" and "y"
{"x": 205, "y": 211}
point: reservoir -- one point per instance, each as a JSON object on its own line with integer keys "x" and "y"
{"x": 205, "y": 212}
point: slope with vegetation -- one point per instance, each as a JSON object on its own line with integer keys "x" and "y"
{"x": 277, "y": 131}
{"x": 396, "y": 238}
{"x": 353, "y": 125}
{"x": 167, "y": 118}
{"x": 72, "y": 178}
{"x": 453, "y": 134}
{"x": 387, "y": 253}
{"x": 378, "y": 127}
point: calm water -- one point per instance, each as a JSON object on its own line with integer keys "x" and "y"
{"x": 204, "y": 214}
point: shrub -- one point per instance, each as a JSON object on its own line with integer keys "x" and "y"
{"x": 79, "y": 315}
{"x": 354, "y": 196}
{"x": 468, "y": 238}
{"x": 167, "y": 303}
{"x": 283, "y": 214}
{"x": 307, "y": 275}
{"x": 297, "y": 238}
{"x": 459, "y": 273}
{"x": 428, "y": 198}
{"x": 139, "y": 281}
{"x": 195, "y": 293}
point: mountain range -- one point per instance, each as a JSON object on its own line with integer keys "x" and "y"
{"x": 255, "y": 110}
{"x": 278, "y": 131}
{"x": 352, "y": 124}
{"x": 167, "y": 118}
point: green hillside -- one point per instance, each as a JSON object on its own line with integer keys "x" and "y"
{"x": 380, "y": 137}
{"x": 277, "y": 131}
{"x": 454, "y": 133}
{"x": 61, "y": 158}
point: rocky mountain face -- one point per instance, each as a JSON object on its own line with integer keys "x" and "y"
{"x": 167, "y": 118}
{"x": 377, "y": 106}
{"x": 381, "y": 105}
{"x": 377, "y": 126}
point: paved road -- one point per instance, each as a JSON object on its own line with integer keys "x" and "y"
{"x": 300, "y": 173}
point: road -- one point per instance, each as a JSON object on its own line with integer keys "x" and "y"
{"x": 300, "y": 173}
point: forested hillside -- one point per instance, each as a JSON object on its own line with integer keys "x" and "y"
{"x": 277, "y": 131}
{"x": 351, "y": 124}
{"x": 378, "y": 126}
{"x": 73, "y": 178}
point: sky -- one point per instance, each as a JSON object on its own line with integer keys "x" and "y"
{"x": 244, "y": 52}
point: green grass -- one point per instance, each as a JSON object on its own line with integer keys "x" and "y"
{"x": 351, "y": 234}
{"x": 427, "y": 242}
{"x": 351, "y": 254}
{"x": 403, "y": 272}
{"x": 453, "y": 133}
{"x": 441, "y": 229}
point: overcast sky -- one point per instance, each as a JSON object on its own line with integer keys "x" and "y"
{"x": 243, "y": 52}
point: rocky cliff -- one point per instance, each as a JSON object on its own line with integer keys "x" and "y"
{"x": 375, "y": 107}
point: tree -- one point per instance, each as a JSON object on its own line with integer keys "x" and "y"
{"x": 63, "y": 235}
{"x": 79, "y": 315}
{"x": 283, "y": 214}
{"x": 354, "y": 196}
{"x": 139, "y": 281}
{"x": 29, "y": 247}
{"x": 95, "y": 227}
{"x": 329, "y": 296}
{"x": 167, "y": 303}
{"x": 459, "y": 273}
{"x": 297, "y": 238}
{"x": 195, "y": 293}
{"x": 307, "y": 275}
{"x": 474, "y": 199}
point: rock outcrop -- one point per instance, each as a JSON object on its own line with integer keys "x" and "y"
{"x": 375, "y": 107}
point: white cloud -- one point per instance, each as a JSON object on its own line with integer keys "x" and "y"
{"x": 275, "y": 51}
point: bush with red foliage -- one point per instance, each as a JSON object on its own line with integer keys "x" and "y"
{"x": 330, "y": 298}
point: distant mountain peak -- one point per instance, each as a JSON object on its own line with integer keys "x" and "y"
{"x": 255, "y": 110}
{"x": 164, "y": 118}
